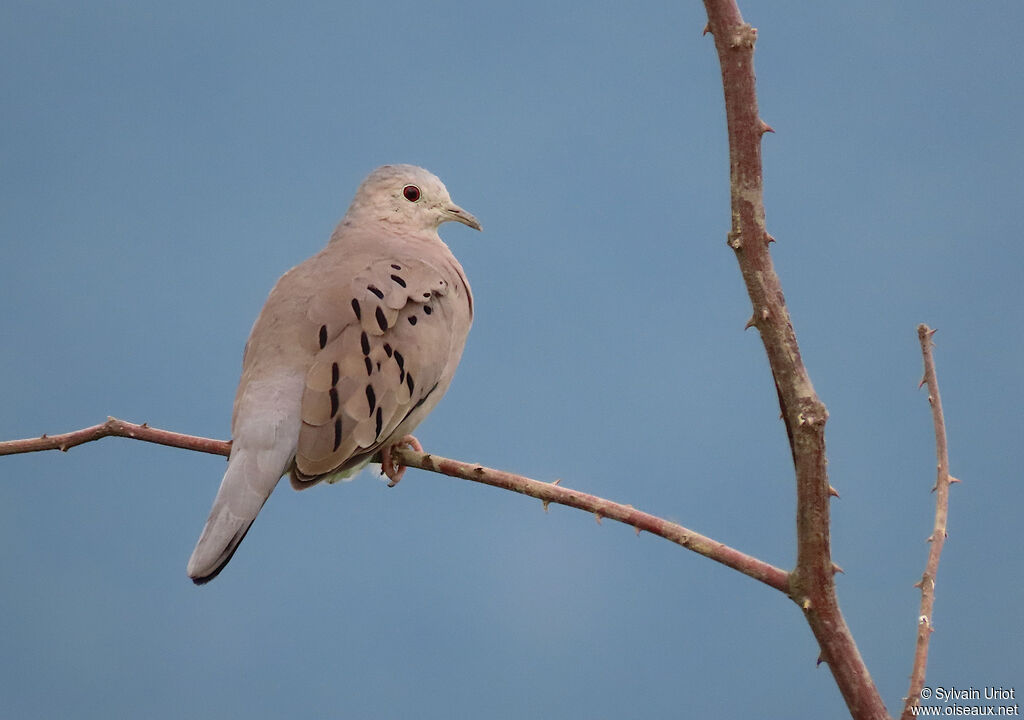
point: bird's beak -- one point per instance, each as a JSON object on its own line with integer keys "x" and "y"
{"x": 454, "y": 212}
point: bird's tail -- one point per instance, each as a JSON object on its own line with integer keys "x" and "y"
{"x": 245, "y": 488}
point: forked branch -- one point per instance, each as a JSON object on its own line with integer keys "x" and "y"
{"x": 811, "y": 583}
{"x": 938, "y": 536}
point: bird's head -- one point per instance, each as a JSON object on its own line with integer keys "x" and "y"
{"x": 407, "y": 197}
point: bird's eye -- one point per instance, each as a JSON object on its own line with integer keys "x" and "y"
{"x": 411, "y": 192}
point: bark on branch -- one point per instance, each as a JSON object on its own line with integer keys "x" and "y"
{"x": 811, "y": 583}
{"x": 545, "y": 492}
{"x": 938, "y": 536}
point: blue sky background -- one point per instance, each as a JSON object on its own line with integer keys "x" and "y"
{"x": 162, "y": 164}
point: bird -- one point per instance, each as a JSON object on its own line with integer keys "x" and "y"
{"x": 352, "y": 350}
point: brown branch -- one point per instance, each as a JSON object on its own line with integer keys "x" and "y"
{"x": 115, "y": 428}
{"x": 938, "y": 536}
{"x": 601, "y": 508}
{"x": 545, "y": 492}
{"x": 811, "y": 583}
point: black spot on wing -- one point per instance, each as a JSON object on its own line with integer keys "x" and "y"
{"x": 381, "y": 320}
{"x": 371, "y": 398}
{"x": 400, "y": 361}
{"x": 398, "y": 280}
{"x": 376, "y": 291}
{"x": 356, "y": 309}
{"x": 323, "y": 336}
{"x": 334, "y": 404}
{"x": 337, "y": 433}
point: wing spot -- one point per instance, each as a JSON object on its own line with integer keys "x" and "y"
{"x": 427, "y": 309}
{"x": 412, "y": 319}
{"x": 365, "y": 343}
{"x": 381, "y": 320}
{"x": 398, "y": 280}
{"x": 369, "y": 365}
{"x": 400, "y": 360}
{"x": 334, "y": 405}
{"x": 337, "y": 433}
{"x": 424, "y": 398}
{"x": 323, "y": 336}
{"x": 387, "y": 349}
{"x": 396, "y": 266}
{"x": 371, "y": 397}
{"x": 380, "y": 422}
{"x": 376, "y": 291}
{"x": 409, "y": 382}
{"x": 356, "y": 309}
{"x": 335, "y": 374}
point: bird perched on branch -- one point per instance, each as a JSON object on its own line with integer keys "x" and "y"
{"x": 353, "y": 348}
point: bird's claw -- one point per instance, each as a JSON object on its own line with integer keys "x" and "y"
{"x": 389, "y": 467}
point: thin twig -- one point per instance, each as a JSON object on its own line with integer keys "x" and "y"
{"x": 545, "y": 492}
{"x": 115, "y": 428}
{"x": 601, "y": 508}
{"x": 812, "y": 584}
{"x": 938, "y": 536}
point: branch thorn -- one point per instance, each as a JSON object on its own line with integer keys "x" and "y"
{"x": 837, "y": 569}
{"x": 833, "y": 492}
{"x": 598, "y": 516}
{"x": 766, "y": 128}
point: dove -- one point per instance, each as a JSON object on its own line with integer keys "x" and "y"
{"x": 353, "y": 348}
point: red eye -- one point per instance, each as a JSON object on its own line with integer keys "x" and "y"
{"x": 411, "y": 192}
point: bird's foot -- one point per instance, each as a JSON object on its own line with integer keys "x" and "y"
{"x": 389, "y": 467}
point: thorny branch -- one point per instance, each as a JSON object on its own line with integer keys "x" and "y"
{"x": 545, "y": 492}
{"x": 812, "y": 584}
{"x": 938, "y": 536}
